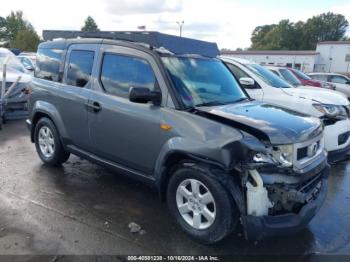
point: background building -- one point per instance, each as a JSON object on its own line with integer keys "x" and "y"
{"x": 330, "y": 56}
{"x": 302, "y": 60}
{"x": 334, "y": 56}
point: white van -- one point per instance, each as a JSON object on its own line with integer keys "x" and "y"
{"x": 330, "y": 106}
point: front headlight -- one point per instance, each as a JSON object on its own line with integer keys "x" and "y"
{"x": 279, "y": 155}
{"x": 327, "y": 86}
{"x": 285, "y": 154}
{"x": 331, "y": 110}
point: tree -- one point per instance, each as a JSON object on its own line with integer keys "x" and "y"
{"x": 299, "y": 36}
{"x": 3, "y": 37}
{"x": 27, "y": 40}
{"x": 259, "y": 39}
{"x": 324, "y": 27}
{"x": 14, "y": 23}
{"x": 90, "y": 25}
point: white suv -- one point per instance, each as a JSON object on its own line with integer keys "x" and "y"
{"x": 341, "y": 82}
{"x": 330, "y": 106}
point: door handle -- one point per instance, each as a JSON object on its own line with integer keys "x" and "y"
{"x": 95, "y": 106}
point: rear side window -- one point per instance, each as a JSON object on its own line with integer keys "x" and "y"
{"x": 338, "y": 79}
{"x": 79, "y": 67}
{"x": 119, "y": 73}
{"x": 48, "y": 64}
{"x": 319, "y": 77}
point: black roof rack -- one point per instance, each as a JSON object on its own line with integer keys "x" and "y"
{"x": 175, "y": 44}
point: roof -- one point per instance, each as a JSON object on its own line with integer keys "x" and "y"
{"x": 324, "y": 73}
{"x": 236, "y": 59}
{"x": 334, "y": 43}
{"x": 274, "y": 67}
{"x": 271, "y": 52}
{"x": 175, "y": 44}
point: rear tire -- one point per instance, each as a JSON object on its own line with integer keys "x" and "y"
{"x": 48, "y": 143}
{"x": 200, "y": 204}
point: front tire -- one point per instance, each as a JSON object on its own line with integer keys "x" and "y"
{"x": 48, "y": 144}
{"x": 200, "y": 204}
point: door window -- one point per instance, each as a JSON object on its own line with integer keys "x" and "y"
{"x": 48, "y": 64}
{"x": 339, "y": 79}
{"x": 239, "y": 73}
{"x": 79, "y": 67}
{"x": 319, "y": 77}
{"x": 120, "y": 72}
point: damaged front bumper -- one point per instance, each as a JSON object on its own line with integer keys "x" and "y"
{"x": 311, "y": 189}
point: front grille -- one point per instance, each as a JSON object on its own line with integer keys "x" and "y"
{"x": 330, "y": 121}
{"x": 306, "y": 152}
{"x": 343, "y": 138}
{"x": 302, "y": 153}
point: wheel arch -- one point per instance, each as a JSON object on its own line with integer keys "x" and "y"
{"x": 44, "y": 109}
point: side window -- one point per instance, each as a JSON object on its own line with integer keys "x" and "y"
{"x": 79, "y": 67}
{"x": 239, "y": 73}
{"x": 319, "y": 77}
{"x": 120, "y": 72}
{"x": 275, "y": 72}
{"x": 48, "y": 64}
{"x": 26, "y": 62}
{"x": 338, "y": 79}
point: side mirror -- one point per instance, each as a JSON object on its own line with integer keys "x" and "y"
{"x": 143, "y": 95}
{"x": 247, "y": 81}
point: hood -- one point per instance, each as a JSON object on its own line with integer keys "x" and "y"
{"x": 319, "y": 95}
{"x": 12, "y": 75}
{"x": 266, "y": 122}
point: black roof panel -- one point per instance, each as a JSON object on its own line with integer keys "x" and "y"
{"x": 175, "y": 44}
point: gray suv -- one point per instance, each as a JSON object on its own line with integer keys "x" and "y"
{"x": 182, "y": 124}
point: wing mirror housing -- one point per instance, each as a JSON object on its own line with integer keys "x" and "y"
{"x": 247, "y": 81}
{"x": 143, "y": 95}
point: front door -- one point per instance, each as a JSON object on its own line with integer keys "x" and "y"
{"x": 122, "y": 131}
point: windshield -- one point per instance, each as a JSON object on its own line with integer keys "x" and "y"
{"x": 267, "y": 76}
{"x": 202, "y": 81}
{"x": 289, "y": 77}
{"x": 301, "y": 75}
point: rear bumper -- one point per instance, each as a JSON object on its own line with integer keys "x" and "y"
{"x": 259, "y": 227}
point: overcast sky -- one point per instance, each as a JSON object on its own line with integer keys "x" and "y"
{"x": 227, "y": 22}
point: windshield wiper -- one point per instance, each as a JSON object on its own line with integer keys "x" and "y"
{"x": 240, "y": 100}
{"x": 218, "y": 103}
{"x": 211, "y": 103}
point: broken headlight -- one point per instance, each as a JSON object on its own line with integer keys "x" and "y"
{"x": 281, "y": 155}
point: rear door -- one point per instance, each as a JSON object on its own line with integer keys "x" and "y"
{"x": 76, "y": 85}
{"x": 122, "y": 131}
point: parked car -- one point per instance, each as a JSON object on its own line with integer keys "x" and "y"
{"x": 14, "y": 97}
{"x": 181, "y": 123}
{"x": 28, "y": 60}
{"x": 288, "y": 76}
{"x": 341, "y": 82}
{"x": 308, "y": 81}
{"x": 330, "y": 106}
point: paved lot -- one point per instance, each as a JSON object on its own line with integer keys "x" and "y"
{"x": 82, "y": 208}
